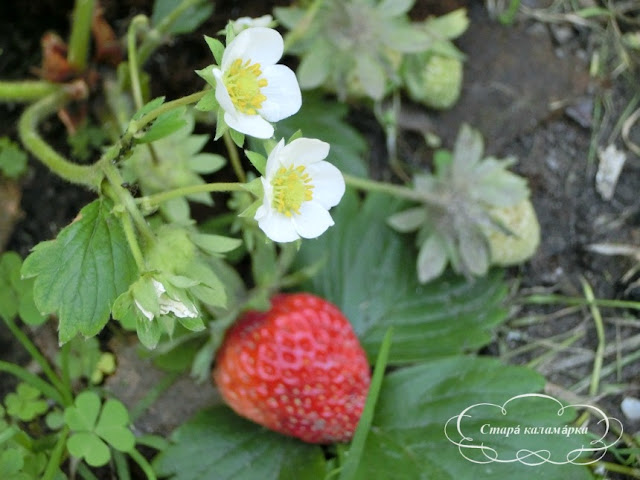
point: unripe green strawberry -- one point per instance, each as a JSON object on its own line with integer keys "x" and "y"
{"x": 522, "y": 221}
{"x": 433, "y": 79}
{"x": 297, "y": 369}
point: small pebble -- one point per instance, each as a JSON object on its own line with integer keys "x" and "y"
{"x": 631, "y": 408}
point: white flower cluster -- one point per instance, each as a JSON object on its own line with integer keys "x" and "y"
{"x": 254, "y": 91}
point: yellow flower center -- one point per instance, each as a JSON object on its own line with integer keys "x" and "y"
{"x": 291, "y": 188}
{"x": 243, "y": 84}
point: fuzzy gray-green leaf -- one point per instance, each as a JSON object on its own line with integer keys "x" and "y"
{"x": 361, "y": 275}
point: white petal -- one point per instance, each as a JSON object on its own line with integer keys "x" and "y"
{"x": 146, "y": 313}
{"x": 253, "y": 125}
{"x": 177, "y": 307}
{"x": 260, "y": 45}
{"x": 328, "y": 184}
{"x": 304, "y": 151}
{"x": 278, "y": 227}
{"x": 282, "y": 91}
{"x": 158, "y": 286}
{"x": 273, "y": 162}
{"x": 222, "y": 95}
{"x": 313, "y": 220}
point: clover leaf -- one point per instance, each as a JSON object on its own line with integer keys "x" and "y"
{"x": 95, "y": 427}
{"x": 26, "y": 403}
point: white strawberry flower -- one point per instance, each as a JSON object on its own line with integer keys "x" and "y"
{"x": 168, "y": 305}
{"x": 299, "y": 189}
{"x": 251, "y": 88}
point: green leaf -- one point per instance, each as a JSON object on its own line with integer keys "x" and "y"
{"x": 324, "y": 119}
{"x": 217, "y": 443}
{"x": 408, "y": 441}
{"x": 13, "y": 160}
{"x": 450, "y": 25}
{"x": 215, "y": 244}
{"x": 149, "y": 332}
{"x": 408, "y": 220}
{"x": 206, "y": 163}
{"x": 16, "y": 293}
{"x": 10, "y": 263}
{"x": 207, "y": 103}
{"x": 258, "y": 161}
{"x": 393, "y": 8}
{"x": 315, "y": 66}
{"x": 364, "y": 278}
{"x": 432, "y": 258}
{"x": 216, "y": 47}
{"x": 26, "y": 403}
{"x": 89, "y": 446}
{"x": 186, "y": 22}
{"x": 164, "y": 125}
{"x": 153, "y": 104}
{"x": 92, "y": 424}
{"x": 112, "y": 426}
{"x": 80, "y": 273}
{"x": 371, "y": 75}
{"x": 11, "y": 462}
{"x": 237, "y": 137}
{"x": 83, "y": 414}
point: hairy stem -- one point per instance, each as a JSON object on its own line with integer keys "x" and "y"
{"x": 80, "y": 32}
{"x": 26, "y": 90}
{"x": 152, "y": 201}
{"x": 399, "y": 191}
{"x": 139, "y": 22}
{"x": 33, "y": 142}
{"x": 234, "y": 157}
{"x": 123, "y": 196}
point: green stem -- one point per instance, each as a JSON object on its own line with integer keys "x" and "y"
{"x": 137, "y": 457}
{"x": 155, "y": 36}
{"x": 125, "y": 143}
{"x": 399, "y": 191}
{"x": 356, "y": 450}
{"x": 576, "y": 301}
{"x": 138, "y": 125}
{"x": 64, "y": 366}
{"x": 124, "y": 197}
{"x": 27, "y": 129}
{"x": 80, "y": 31}
{"x": 629, "y": 472}
{"x": 26, "y": 90}
{"x": 234, "y": 157}
{"x": 303, "y": 25}
{"x": 56, "y": 456}
{"x": 134, "y": 67}
{"x": 39, "y": 358}
{"x": 122, "y": 467}
{"x": 85, "y": 472}
{"x": 599, "y": 354}
{"x": 33, "y": 380}
{"x": 132, "y": 240}
{"x": 152, "y": 201}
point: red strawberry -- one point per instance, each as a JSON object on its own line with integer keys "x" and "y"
{"x": 297, "y": 369}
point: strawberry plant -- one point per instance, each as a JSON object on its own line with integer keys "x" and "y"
{"x": 235, "y": 235}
